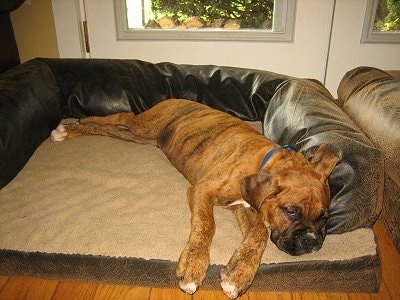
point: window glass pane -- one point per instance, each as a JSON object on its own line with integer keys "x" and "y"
{"x": 196, "y": 14}
{"x": 382, "y": 22}
{"x": 239, "y": 20}
{"x": 387, "y": 17}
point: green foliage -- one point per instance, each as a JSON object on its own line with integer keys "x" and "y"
{"x": 252, "y": 13}
{"x": 387, "y": 15}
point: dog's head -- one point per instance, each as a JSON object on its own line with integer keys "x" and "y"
{"x": 294, "y": 200}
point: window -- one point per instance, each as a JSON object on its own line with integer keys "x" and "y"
{"x": 382, "y": 22}
{"x": 269, "y": 20}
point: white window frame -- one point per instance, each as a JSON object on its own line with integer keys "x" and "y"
{"x": 369, "y": 35}
{"x": 282, "y": 28}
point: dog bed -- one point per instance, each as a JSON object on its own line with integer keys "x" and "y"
{"x": 104, "y": 210}
{"x": 116, "y": 203}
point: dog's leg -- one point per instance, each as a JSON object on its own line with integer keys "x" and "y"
{"x": 238, "y": 274}
{"x": 118, "y": 119}
{"x": 68, "y": 131}
{"x": 242, "y": 217}
{"x": 195, "y": 257}
{"x": 141, "y": 128}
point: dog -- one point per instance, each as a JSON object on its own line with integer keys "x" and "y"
{"x": 270, "y": 189}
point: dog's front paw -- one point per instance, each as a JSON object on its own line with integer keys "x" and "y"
{"x": 229, "y": 289}
{"x": 236, "y": 278}
{"x": 59, "y": 134}
{"x": 189, "y": 288}
{"x": 191, "y": 278}
{"x": 192, "y": 268}
{"x": 189, "y": 281}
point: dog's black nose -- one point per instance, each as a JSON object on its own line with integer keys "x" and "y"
{"x": 310, "y": 240}
{"x": 302, "y": 241}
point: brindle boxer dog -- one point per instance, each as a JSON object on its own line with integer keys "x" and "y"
{"x": 226, "y": 160}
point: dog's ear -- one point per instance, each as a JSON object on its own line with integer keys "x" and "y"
{"x": 324, "y": 161}
{"x": 257, "y": 188}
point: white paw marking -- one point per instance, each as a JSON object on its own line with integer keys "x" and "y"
{"x": 242, "y": 202}
{"x": 229, "y": 290}
{"x": 58, "y": 134}
{"x": 189, "y": 288}
{"x": 61, "y": 128}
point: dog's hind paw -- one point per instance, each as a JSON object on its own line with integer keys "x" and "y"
{"x": 58, "y": 134}
{"x": 189, "y": 288}
{"x": 229, "y": 290}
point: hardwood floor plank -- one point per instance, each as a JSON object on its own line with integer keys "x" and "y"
{"x": 168, "y": 294}
{"x": 269, "y": 295}
{"x": 304, "y": 295}
{"x": 329, "y": 296}
{"x": 383, "y": 293}
{"x": 3, "y": 281}
{"x": 28, "y": 288}
{"x": 121, "y": 292}
{"x": 359, "y": 296}
{"x": 75, "y": 290}
{"x": 215, "y": 295}
{"x": 390, "y": 260}
{"x": 319, "y": 296}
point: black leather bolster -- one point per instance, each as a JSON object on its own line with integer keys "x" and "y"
{"x": 104, "y": 86}
{"x": 29, "y": 109}
{"x": 303, "y": 114}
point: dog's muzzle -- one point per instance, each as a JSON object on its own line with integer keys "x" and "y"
{"x": 298, "y": 242}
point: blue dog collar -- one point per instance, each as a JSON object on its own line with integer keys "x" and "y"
{"x": 272, "y": 152}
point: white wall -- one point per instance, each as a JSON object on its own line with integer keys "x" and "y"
{"x": 67, "y": 18}
{"x": 346, "y": 51}
{"x": 307, "y": 56}
{"x": 289, "y": 58}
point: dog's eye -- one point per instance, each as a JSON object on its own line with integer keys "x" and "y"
{"x": 292, "y": 212}
{"x": 323, "y": 217}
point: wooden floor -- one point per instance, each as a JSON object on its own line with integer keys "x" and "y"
{"x": 39, "y": 289}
